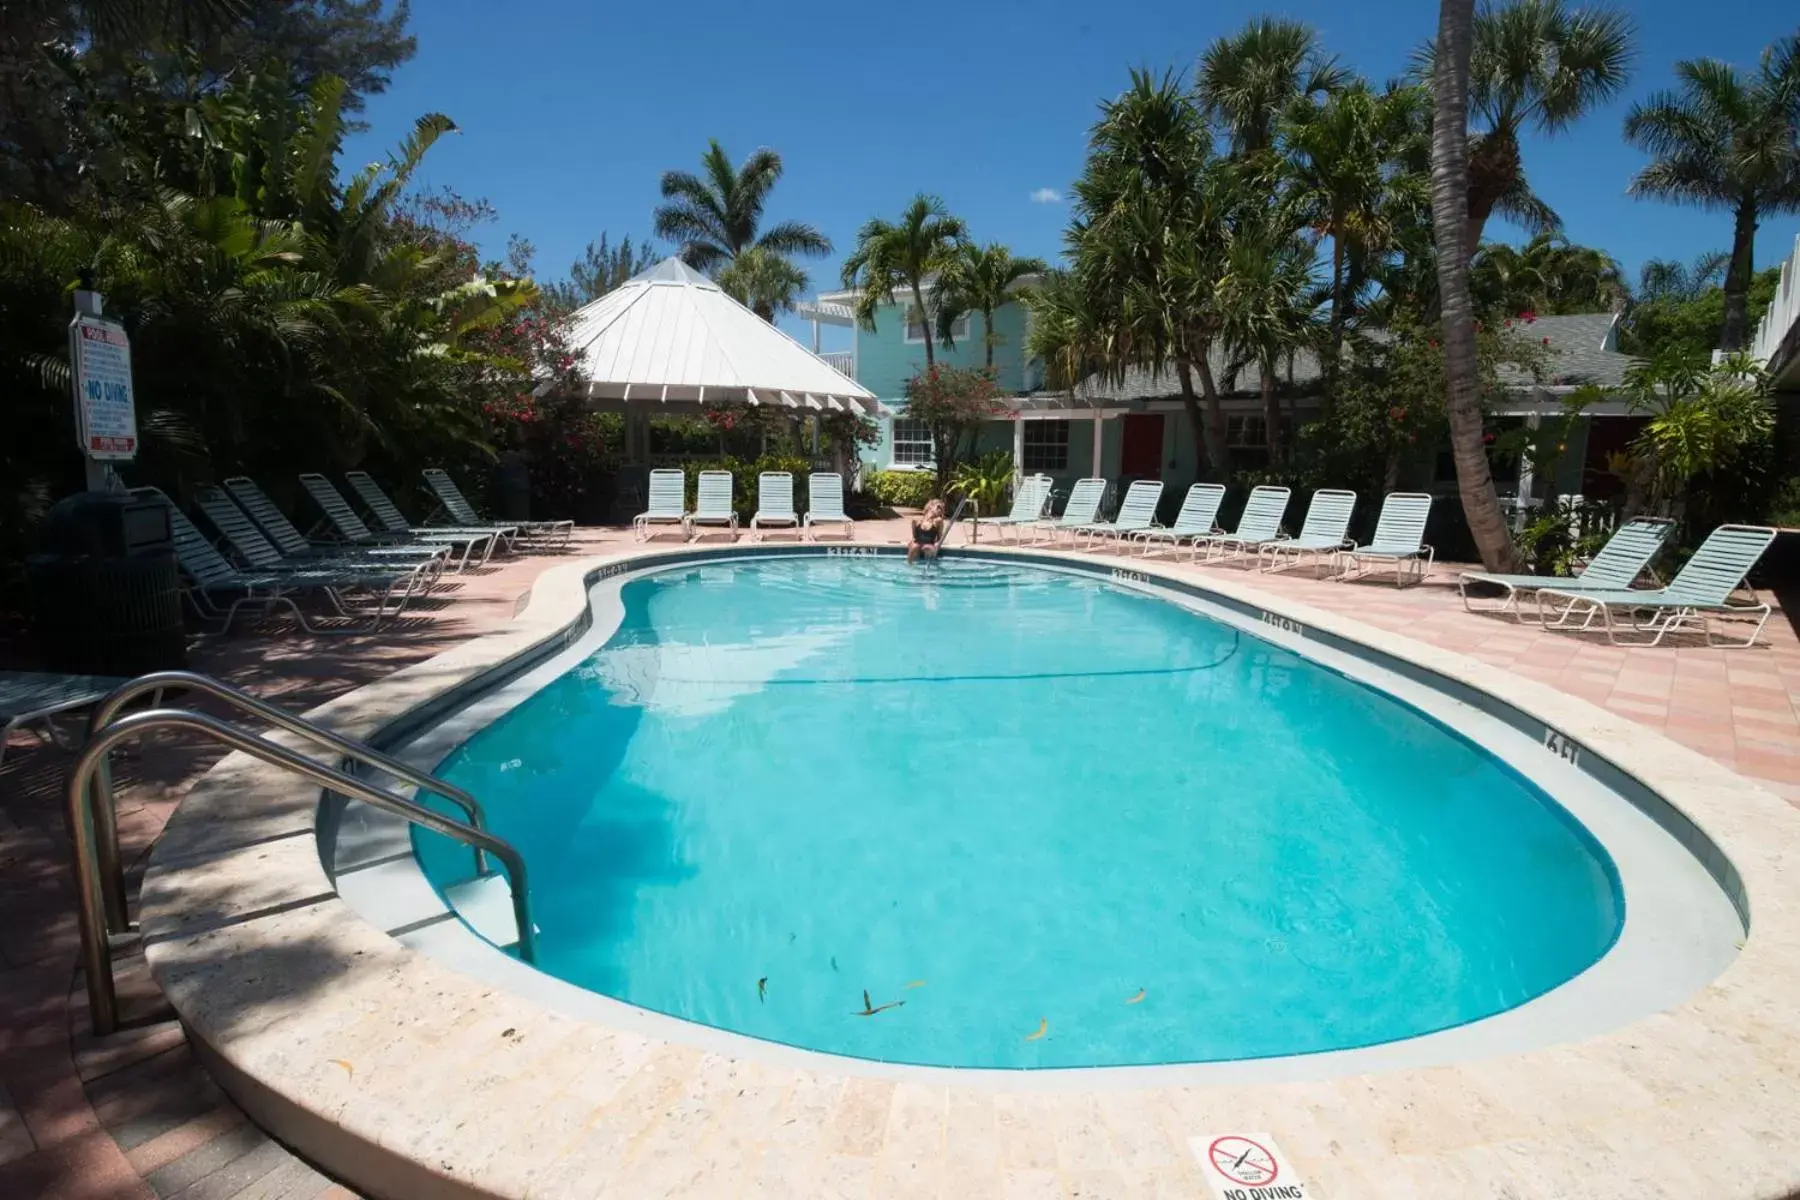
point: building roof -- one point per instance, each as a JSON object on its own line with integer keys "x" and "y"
{"x": 671, "y": 335}
{"x": 1583, "y": 348}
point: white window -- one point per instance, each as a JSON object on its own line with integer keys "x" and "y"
{"x": 1046, "y": 446}
{"x": 1245, "y": 433}
{"x": 959, "y": 331}
{"x": 912, "y": 444}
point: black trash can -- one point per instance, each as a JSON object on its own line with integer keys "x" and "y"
{"x": 106, "y": 596}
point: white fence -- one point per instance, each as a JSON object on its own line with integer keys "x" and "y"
{"x": 1784, "y": 311}
{"x": 842, "y": 361}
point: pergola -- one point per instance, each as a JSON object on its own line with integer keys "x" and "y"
{"x": 669, "y": 341}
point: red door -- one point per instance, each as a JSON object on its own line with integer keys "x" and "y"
{"x": 1140, "y": 455}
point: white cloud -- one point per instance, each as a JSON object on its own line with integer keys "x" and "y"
{"x": 1046, "y": 195}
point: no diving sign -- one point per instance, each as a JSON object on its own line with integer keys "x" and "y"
{"x": 1248, "y": 1166}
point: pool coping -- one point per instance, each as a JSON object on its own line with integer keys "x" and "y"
{"x": 1681, "y": 931}
{"x": 407, "y": 1078}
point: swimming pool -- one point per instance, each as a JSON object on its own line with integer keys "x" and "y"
{"x": 1041, "y": 820}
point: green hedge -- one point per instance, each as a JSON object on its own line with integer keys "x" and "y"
{"x": 901, "y": 489}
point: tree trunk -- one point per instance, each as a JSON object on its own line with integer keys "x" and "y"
{"x": 987, "y": 336}
{"x": 1451, "y": 219}
{"x": 1271, "y": 409}
{"x": 1340, "y": 301}
{"x": 1191, "y": 404}
{"x": 1735, "y": 333}
{"x": 1494, "y": 165}
{"x": 924, "y": 323}
{"x": 1215, "y": 415}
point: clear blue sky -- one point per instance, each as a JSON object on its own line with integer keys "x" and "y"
{"x": 570, "y": 111}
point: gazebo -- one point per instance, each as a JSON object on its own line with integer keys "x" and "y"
{"x": 669, "y": 342}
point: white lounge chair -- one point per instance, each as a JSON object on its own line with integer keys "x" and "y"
{"x": 388, "y": 580}
{"x": 825, "y": 504}
{"x": 1701, "y": 590}
{"x": 1399, "y": 539}
{"x": 452, "y": 501}
{"x": 1083, "y": 508}
{"x": 713, "y": 505}
{"x": 388, "y": 515}
{"x": 31, "y": 699}
{"x": 1197, "y": 519}
{"x": 774, "y": 503}
{"x": 1326, "y": 531}
{"x": 1625, "y": 556}
{"x": 667, "y": 504}
{"x": 208, "y": 573}
{"x": 1028, "y": 503}
{"x": 1259, "y": 523}
{"x": 1136, "y": 514}
{"x": 351, "y": 528}
{"x": 295, "y": 547}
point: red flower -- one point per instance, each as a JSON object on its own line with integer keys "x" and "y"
{"x": 1528, "y": 316}
{"x": 1546, "y": 341}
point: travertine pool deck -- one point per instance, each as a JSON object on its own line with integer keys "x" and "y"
{"x": 416, "y": 1080}
{"x": 147, "y": 1122}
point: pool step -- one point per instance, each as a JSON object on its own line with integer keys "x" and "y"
{"x": 486, "y": 904}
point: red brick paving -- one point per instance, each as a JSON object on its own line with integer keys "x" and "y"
{"x": 135, "y": 1116}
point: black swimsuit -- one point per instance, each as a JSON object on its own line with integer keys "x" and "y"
{"x": 925, "y": 535}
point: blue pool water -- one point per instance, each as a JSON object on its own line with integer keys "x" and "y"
{"x": 1005, "y": 800}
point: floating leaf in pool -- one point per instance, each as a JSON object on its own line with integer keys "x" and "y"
{"x": 1137, "y": 999}
{"x": 917, "y": 983}
{"x": 762, "y": 989}
{"x": 869, "y": 1010}
{"x": 1042, "y": 1029}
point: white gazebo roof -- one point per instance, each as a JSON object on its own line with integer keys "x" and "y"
{"x": 670, "y": 335}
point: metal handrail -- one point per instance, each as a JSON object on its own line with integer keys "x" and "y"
{"x": 106, "y": 827}
{"x": 956, "y": 515}
{"x": 96, "y": 951}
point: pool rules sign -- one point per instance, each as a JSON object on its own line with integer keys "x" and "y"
{"x": 105, "y": 412}
{"x": 1248, "y": 1166}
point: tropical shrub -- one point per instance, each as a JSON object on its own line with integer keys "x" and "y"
{"x": 1708, "y": 436}
{"x": 986, "y": 480}
{"x": 900, "y": 489}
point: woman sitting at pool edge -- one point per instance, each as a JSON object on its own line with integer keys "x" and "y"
{"x": 927, "y": 531}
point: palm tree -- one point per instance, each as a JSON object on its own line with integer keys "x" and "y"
{"x": 717, "y": 215}
{"x": 765, "y": 281}
{"x": 1247, "y": 81}
{"x": 981, "y": 279}
{"x": 1667, "y": 279}
{"x": 1725, "y": 141}
{"x": 1150, "y": 215}
{"x": 1450, "y": 172}
{"x": 1264, "y": 302}
{"x": 1345, "y": 178}
{"x": 602, "y": 267}
{"x": 909, "y": 254}
{"x": 1534, "y": 64}
{"x": 1549, "y": 274}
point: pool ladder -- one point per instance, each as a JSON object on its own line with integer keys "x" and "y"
{"x": 93, "y": 821}
{"x": 956, "y": 515}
